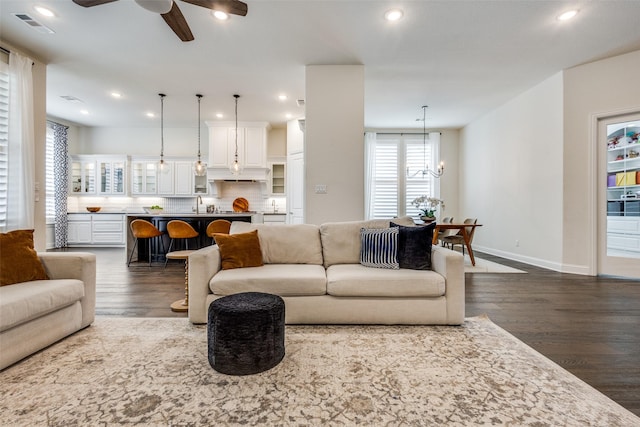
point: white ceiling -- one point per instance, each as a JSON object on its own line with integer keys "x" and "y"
{"x": 462, "y": 58}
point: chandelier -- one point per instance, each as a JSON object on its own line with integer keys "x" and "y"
{"x": 426, "y": 170}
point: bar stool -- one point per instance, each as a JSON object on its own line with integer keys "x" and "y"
{"x": 179, "y": 229}
{"x": 219, "y": 226}
{"x": 142, "y": 229}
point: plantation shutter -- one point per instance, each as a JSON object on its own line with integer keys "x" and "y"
{"x": 4, "y": 142}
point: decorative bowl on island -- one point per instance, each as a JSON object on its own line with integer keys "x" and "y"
{"x": 93, "y": 208}
{"x": 153, "y": 210}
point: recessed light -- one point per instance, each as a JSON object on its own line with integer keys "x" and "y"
{"x": 44, "y": 11}
{"x": 85, "y": 112}
{"x": 393, "y": 15}
{"x": 218, "y": 14}
{"x": 219, "y": 115}
{"x": 116, "y": 94}
{"x": 282, "y": 97}
{"x": 288, "y": 115}
{"x": 151, "y": 115}
{"x": 567, "y": 15}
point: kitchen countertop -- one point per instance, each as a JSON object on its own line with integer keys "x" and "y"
{"x": 193, "y": 215}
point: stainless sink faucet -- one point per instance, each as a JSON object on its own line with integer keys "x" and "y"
{"x": 198, "y": 203}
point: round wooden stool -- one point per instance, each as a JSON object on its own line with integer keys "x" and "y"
{"x": 182, "y": 305}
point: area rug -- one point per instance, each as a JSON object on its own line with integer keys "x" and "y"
{"x": 485, "y": 266}
{"x": 124, "y": 371}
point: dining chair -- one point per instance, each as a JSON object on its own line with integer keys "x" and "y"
{"x": 218, "y": 226}
{"x": 142, "y": 229}
{"x": 458, "y": 239}
{"x": 444, "y": 233}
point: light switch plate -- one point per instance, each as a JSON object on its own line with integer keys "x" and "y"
{"x": 321, "y": 189}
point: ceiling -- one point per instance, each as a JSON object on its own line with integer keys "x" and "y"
{"x": 461, "y": 58}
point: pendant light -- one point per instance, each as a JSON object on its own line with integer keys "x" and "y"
{"x": 200, "y": 168}
{"x": 163, "y": 166}
{"x": 236, "y": 167}
{"x": 426, "y": 170}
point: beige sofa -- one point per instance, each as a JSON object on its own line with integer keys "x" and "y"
{"x": 36, "y": 314}
{"x": 316, "y": 270}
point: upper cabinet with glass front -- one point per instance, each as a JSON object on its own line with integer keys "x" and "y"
{"x": 91, "y": 175}
{"x": 144, "y": 176}
{"x": 111, "y": 176}
{"x": 82, "y": 176}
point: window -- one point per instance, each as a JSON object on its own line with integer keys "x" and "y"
{"x": 395, "y": 177}
{"x": 50, "y": 209}
{"x": 4, "y": 142}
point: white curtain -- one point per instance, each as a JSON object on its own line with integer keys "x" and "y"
{"x": 21, "y": 170}
{"x": 434, "y": 140}
{"x": 369, "y": 169}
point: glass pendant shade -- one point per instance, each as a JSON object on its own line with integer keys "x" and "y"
{"x": 199, "y": 168}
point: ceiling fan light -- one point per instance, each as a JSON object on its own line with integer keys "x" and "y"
{"x": 218, "y": 14}
{"x": 157, "y": 6}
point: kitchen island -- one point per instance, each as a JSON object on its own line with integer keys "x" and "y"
{"x": 199, "y": 221}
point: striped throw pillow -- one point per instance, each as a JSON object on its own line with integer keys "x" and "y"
{"x": 379, "y": 247}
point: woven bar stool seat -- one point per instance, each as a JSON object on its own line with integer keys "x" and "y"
{"x": 245, "y": 333}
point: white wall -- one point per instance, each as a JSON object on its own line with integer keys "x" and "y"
{"x": 511, "y": 175}
{"x": 603, "y": 88}
{"x": 334, "y": 142}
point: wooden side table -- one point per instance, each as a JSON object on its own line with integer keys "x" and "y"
{"x": 182, "y": 305}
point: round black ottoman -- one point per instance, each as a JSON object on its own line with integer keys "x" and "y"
{"x": 245, "y": 333}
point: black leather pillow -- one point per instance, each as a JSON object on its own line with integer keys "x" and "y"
{"x": 414, "y": 246}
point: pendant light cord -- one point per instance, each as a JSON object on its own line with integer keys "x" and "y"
{"x": 162, "y": 95}
{"x": 199, "y": 98}
{"x": 236, "y": 155}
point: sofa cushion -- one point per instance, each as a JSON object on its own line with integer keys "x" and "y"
{"x": 277, "y": 279}
{"x": 379, "y": 247}
{"x": 414, "y": 246}
{"x": 341, "y": 240}
{"x": 25, "y": 301}
{"x": 355, "y": 280}
{"x": 19, "y": 261}
{"x": 239, "y": 250}
{"x": 286, "y": 244}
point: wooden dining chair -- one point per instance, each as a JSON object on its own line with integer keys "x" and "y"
{"x": 457, "y": 239}
{"x": 218, "y": 226}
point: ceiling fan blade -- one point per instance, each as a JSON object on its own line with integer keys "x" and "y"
{"x": 175, "y": 19}
{"x": 235, "y": 7}
{"x": 90, "y": 3}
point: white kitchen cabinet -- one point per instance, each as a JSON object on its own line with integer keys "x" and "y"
{"x": 79, "y": 229}
{"x": 183, "y": 178}
{"x": 295, "y": 188}
{"x": 166, "y": 178}
{"x": 82, "y": 176}
{"x": 252, "y": 144}
{"x": 144, "y": 176}
{"x": 112, "y": 176}
{"x": 96, "y": 229}
{"x": 277, "y": 178}
{"x": 274, "y": 218}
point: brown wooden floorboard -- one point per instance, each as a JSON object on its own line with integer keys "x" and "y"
{"x": 588, "y": 325}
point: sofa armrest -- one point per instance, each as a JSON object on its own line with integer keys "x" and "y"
{"x": 450, "y": 264}
{"x": 203, "y": 265}
{"x": 75, "y": 265}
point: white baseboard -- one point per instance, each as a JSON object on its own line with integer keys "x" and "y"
{"x": 538, "y": 262}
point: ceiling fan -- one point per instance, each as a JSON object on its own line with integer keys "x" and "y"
{"x": 172, "y": 15}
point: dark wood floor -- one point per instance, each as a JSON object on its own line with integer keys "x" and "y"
{"x": 588, "y": 325}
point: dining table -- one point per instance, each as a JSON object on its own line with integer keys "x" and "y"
{"x": 464, "y": 229}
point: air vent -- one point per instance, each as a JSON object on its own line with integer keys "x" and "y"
{"x": 71, "y": 99}
{"x": 300, "y": 102}
{"x": 27, "y": 19}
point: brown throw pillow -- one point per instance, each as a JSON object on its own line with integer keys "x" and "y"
{"x": 239, "y": 250}
{"x": 19, "y": 261}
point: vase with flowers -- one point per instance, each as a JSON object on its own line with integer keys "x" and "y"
{"x": 427, "y": 207}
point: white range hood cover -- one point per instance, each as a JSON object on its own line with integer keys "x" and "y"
{"x": 248, "y": 174}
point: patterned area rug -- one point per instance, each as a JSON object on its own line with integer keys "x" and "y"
{"x": 124, "y": 371}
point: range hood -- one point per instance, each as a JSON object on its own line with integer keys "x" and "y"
{"x": 248, "y": 174}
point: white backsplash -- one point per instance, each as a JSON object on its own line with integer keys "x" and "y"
{"x": 230, "y": 191}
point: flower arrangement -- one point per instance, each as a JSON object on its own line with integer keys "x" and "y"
{"x": 427, "y": 205}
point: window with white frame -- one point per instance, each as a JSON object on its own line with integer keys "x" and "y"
{"x": 4, "y": 142}
{"x": 395, "y": 177}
